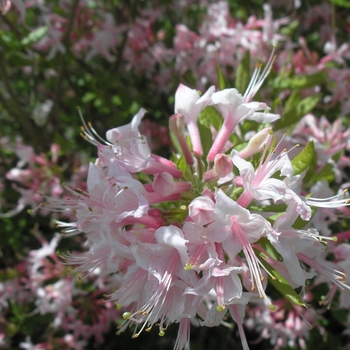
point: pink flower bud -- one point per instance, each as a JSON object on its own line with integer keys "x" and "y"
{"x": 202, "y": 210}
{"x": 164, "y": 184}
{"x": 177, "y": 126}
{"x": 177, "y": 123}
{"x": 222, "y": 165}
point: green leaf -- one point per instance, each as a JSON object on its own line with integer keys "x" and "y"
{"x": 300, "y": 81}
{"x": 269, "y": 248}
{"x": 206, "y": 138}
{"x": 274, "y": 217}
{"x": 293, "y": 100}
{"x": 326, "y": 173}
{"x": 210, "y": 117}
{"x": 341, "y": 3}
{"x": 279, "y": 208}
{"x": 336, "y": 157}
{"x": 176, "y": 215}
{"x": 299, "y": 223}
{"x": 243, "y": 73}
{"x": 280, "y": 283}
{"x": 293, "y": 115}
{"x": 222, "y": 84}
{"x": 304, "y": 159}
{"x": 307, "y": 104}
{"x": 181, "y": 163}
{"x": 311, "y": 171}
{"x": 35, "y": 36}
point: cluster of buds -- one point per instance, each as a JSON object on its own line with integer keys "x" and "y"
{"x": 206, "y": 233}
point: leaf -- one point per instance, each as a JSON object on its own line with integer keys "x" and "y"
{"x": 269, "y": 248}
{"x": 280, "y": 283}
{"x": 311, "y": 171}
{"x": 326, "y": 173}
{"x": 307, "y": 104}
{"x": 210, "y": 117}
{"x": 304, "y": 159}
{"x": 293, "y": 100}
{"x": 176, "y": 215}
{"x": 299, "y": 223}
{"x": 35, "y": 36}
{"x": 243, "y": 73}
{"x": 279, "y": 208}
{"x": 181, "y": 163}
{"x": 293, "y": 115}
{"x": 206, "y": 138}
{"x": 222, "y": 84}
{"x": 341, "y": 3}
{"x": 300, "y": 81}
{"x": 274, "y": 217}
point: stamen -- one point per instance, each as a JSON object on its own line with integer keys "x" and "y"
{"x": 258, "y": 79}
{"x": 330, "y": 202}
{"x": 89, "y": 133}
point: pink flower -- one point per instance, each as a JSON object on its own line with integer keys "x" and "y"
{"x": 190, "y": 104}
{"x": 235, "y": 108}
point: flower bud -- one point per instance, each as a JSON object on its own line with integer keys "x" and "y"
{"x": 177, "y": 126}
{"x": 222, "y": 165}
{"x": 177, "y": 123}
{"x": 257, "y": 143}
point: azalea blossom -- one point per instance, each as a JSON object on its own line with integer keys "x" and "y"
{"x": 201, "y": 235}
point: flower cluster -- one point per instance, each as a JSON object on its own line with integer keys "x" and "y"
{"x": 208, "y": 232}
{"x": 222, "y": 41}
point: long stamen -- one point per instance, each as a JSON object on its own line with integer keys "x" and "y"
{"x": 330, "y": 202}
{"x": 90, "y": 134}
{"x": 258, "y": 79}
{"x": 332, "y": 274}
